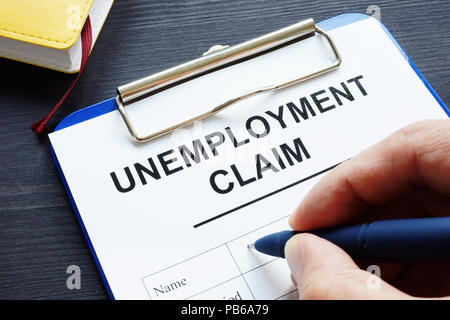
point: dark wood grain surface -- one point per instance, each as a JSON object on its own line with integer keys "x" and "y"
{"x": 39, "y": 235}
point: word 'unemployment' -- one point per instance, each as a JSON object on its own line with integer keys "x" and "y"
{"x": 258, "y": 126}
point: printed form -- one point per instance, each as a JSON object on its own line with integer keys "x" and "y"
{"x": 171, "y": 219}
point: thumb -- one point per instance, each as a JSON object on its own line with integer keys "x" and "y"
{"x": 324, "y": 271}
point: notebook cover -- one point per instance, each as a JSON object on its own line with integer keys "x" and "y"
{"x": 51, "y": 23}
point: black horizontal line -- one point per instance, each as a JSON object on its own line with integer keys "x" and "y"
{"x": 263, "y": 197}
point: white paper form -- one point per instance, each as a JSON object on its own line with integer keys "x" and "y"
{"x": 168, "y": 226}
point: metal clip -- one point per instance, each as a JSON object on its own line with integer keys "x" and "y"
{"x": 214, "y": 49}
{"x": 215, "y": 57}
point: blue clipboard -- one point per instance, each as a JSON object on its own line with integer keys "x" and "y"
{"x": 110, "y": 105}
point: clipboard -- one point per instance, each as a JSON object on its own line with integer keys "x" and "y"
{"x": 111, "y": 105}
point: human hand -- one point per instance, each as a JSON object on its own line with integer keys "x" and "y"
{"x": 407, "y": 175}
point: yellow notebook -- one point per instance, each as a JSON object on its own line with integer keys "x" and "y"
{"x": 47, "y": 32}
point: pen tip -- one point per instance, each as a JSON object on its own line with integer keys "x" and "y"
{"x": 251, "y": 246}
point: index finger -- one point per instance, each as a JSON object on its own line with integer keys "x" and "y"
{"x": 417, "y": 155}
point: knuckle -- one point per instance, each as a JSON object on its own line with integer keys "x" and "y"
{"x": 314, "y": 289}
{"x": 420, "y": 130}
{"x": 419, "y": 126}
{"x": 407, "y": 133}
{"x": 332, "y": 285}
{"x": 429, "y": 139}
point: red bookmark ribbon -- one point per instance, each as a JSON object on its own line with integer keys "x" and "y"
{"x": 40, "y": 127}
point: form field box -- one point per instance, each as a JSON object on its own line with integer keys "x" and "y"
{"x": 249, "y": 259}
{"x": 235, "y": 289}
{"x": 270, "y": 281}
{"x": 192, "y": 276}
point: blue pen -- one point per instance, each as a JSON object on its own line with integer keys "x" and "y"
{"x": 422, "y": 239}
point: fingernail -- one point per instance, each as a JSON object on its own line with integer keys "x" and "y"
{"x": 293, "y": 255}
{"x": 294, "y": 281}
{"x": 290, "y": 218}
